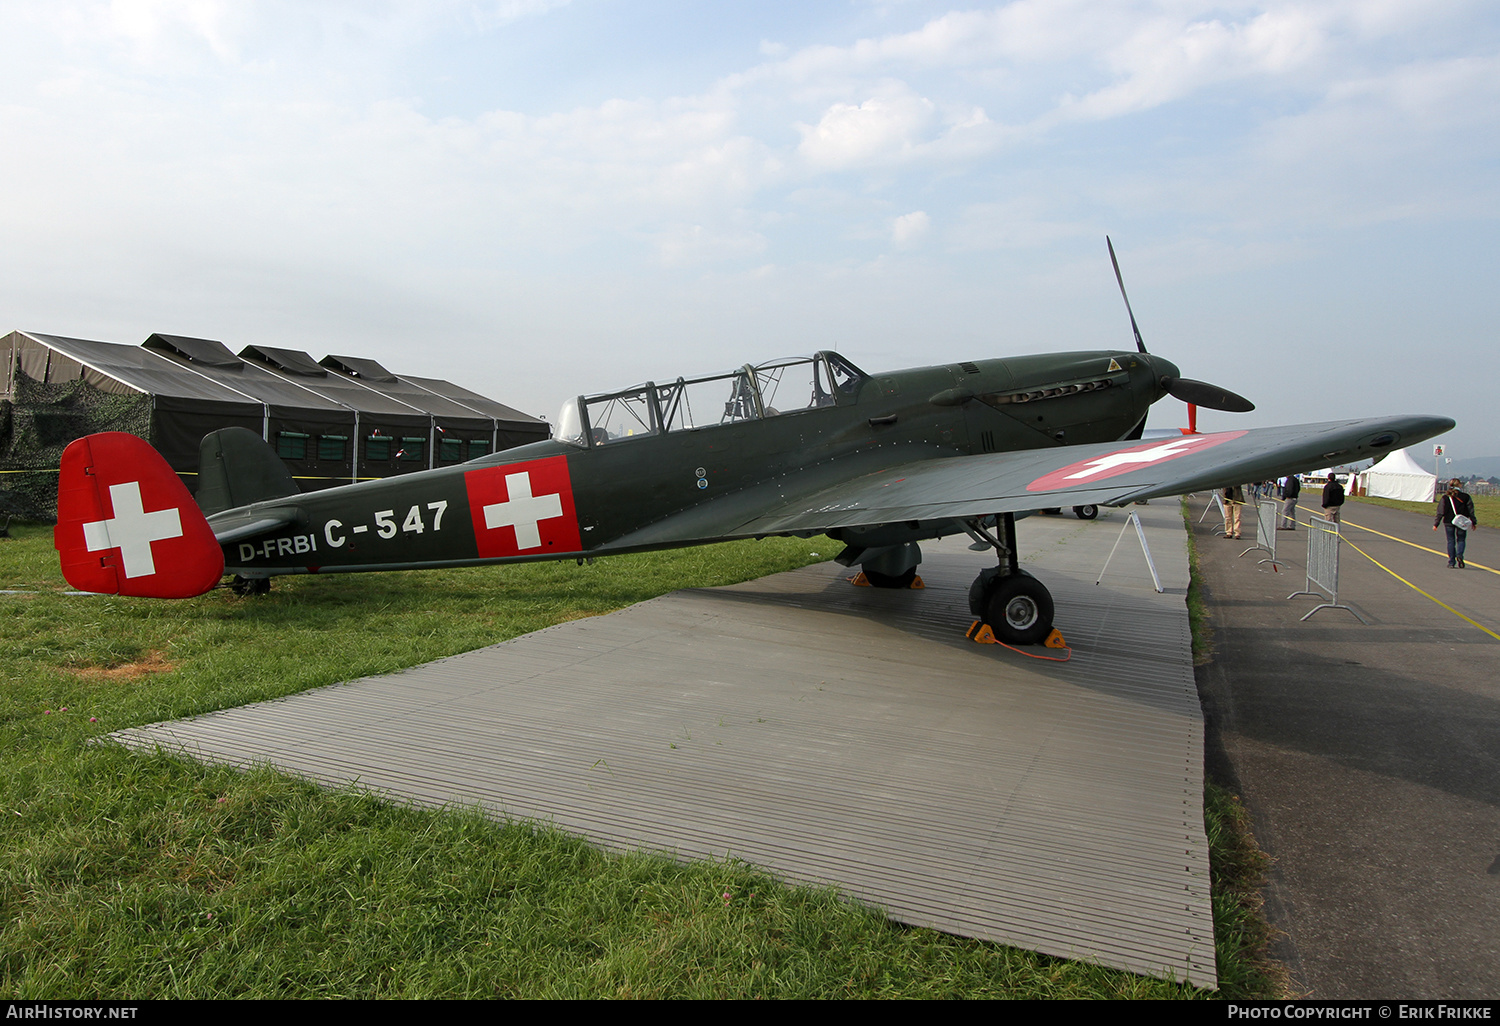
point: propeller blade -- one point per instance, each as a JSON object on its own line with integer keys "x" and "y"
{"x": 1201, "y": 393}
{"x": 1139, "y": 343}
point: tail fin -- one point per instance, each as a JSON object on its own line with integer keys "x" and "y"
{"x": 127, "y": 526}
{"x": 236, "y": 468}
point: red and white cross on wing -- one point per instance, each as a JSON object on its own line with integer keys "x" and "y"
{"x": 1123, "y": 461}
{"x": 523, "y": 509}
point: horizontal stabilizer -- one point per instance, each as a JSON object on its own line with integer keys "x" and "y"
{"x": 235, "y": 524}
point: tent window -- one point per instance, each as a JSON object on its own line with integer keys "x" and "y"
{"x": 451, "y": 450}
{"x": 331, "y": 447}
{"x": 377, "y": 447}
{"x": 478, "y": 447}
{"x": 413, "y": 450}
{"x": 291, "y": 445}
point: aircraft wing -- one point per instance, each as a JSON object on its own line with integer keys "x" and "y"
{"x": 1106, "y": 474}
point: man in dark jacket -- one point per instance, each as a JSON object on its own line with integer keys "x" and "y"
{"x": 1453, "y": 505}
{"x": 1290, "y": 489}
{"x": 1333, "y": 498}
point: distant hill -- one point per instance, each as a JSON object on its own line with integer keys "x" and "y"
{"x": 1477, "y": 466}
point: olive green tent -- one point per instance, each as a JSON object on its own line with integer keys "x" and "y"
{"x": 332, "y": 422}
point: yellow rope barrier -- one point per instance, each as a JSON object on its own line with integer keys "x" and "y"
{"x": 1424, "y": 548}
{"x": 1413, "y": 587}
{"x": 1397, "y": 576}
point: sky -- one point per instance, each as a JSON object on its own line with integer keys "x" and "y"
{"x": 542, "y": 198}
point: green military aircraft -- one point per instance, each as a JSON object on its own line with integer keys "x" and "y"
{"x": 811, "y": 445}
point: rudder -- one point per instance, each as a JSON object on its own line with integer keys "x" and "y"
{"x": 126, "y": 525}
{"x": 236, "y": 467}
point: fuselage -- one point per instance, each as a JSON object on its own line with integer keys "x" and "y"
{"x": 656, "y": 465}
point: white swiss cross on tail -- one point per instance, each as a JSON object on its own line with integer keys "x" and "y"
{"x": 127, "y": 526}
{"x": 132, "y": 530}
{"x": 523, "y": 509}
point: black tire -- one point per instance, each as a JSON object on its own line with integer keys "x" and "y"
{"x": 1088, "y": 512}
{"x": 902, "y": 580}
{"x": 1052, "y": 511}
{"x": 1019, "y": 610}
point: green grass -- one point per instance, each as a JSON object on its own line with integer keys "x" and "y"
{"x": 1242, "y": 935}
{"x": 1198, "y": 621}
{"x": 124, "y": 875}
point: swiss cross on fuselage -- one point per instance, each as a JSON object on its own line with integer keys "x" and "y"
{"x": 132, "y": 529}
{"x": 523, "y": 509}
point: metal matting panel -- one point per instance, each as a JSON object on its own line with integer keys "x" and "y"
{"x": 832, "y": 734}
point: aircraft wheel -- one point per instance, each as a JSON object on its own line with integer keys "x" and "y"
{"x": 1019, "y": 610}
{"x": 901, "y": 580}
{"x": 250, "y": 585}
{"x": 1052, "y": 511}
{"x": 1088, "y": 512}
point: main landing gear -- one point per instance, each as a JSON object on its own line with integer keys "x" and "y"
{"x": 1015, "y": 605}
{"x": 1088, "y": 512}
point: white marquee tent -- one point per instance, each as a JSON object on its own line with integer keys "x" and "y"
{"x": 1398, "y": 476}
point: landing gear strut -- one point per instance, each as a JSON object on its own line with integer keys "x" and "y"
{"x": 1016, "y": 606}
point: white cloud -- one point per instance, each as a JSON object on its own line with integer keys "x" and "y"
{"x": 691, "y": 245}
{"x": 1165, "y": 61}
{"x": 881, "y": 128}
{"x": 907, "y": 228}
{"x": 503, "y": 12}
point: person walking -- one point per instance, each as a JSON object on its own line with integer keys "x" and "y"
{"x": 1455, "y": 512}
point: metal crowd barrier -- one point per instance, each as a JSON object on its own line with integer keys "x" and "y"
{"x": 1323, "y": 566}
{"x": 1265, "y": 533}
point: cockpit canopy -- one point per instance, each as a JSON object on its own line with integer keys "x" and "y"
{"x": 688, "y": 404}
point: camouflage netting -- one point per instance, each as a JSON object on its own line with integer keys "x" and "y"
{"x": 39, "y": 424}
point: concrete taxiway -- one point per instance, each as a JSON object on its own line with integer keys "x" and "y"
{"x": 1368, "y": 756}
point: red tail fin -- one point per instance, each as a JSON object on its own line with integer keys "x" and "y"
{"x": 127, "y": 526}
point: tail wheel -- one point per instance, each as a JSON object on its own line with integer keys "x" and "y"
{"x": 250, "y": 585}
{"x": 901, "y": 580}
{"x": 1088, "y": 512}
{"x": 1019, "y": 610}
